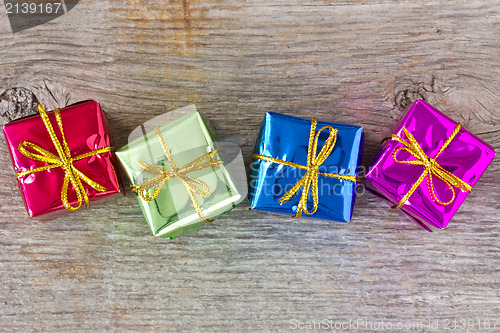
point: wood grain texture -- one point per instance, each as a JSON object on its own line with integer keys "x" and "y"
{"x": 357, "y": 62}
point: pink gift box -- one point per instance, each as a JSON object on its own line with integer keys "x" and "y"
{"x": 466, "y": 157}
{"x": 86, "y": 129}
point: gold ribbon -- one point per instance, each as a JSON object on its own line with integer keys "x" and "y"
{"x": 310, "y": 179}
{"x": 62, "y": 160}
{"x": 163, "y": 175}
{"x": 431, "y": 167}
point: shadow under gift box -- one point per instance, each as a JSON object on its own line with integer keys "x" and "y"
{"x": 86, "y": 129}
{"x": 466, "y": 157}
{"x": 172, "y": 213}
{"x": 287, "y": 138}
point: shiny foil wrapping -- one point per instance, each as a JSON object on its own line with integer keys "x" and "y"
{"x": 287, "y": 138}
{"x": 467, "y": 157}
{"x": 86, "y": 128}
{"x": 171, "y": 213}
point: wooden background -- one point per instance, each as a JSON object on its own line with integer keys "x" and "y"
{"x": 357, "y": 62}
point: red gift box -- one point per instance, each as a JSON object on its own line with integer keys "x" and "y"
{"x": 68, "y": 169}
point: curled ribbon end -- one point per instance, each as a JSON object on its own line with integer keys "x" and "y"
{"x": 215, "y": 162}
{"x": 142, "y": 164}
{"x": 396, "y": 207}
{"x": 466, "y": 188}
{"x": 100, "y": 188}
{"x": 144, "y": 194}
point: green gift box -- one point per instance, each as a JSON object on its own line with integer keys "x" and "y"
{"x": 182, "y": 175}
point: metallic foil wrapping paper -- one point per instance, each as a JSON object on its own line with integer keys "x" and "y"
{"x": 86, "y": 129}
{"x": 286, "y": 138}
{"x": 171, "y": 213}
{"x": 467, "y": 157}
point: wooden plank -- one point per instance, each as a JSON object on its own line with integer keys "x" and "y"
{"x": 356, "y": 62}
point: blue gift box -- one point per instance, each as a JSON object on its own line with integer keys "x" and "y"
{"x": 287, "y": 139}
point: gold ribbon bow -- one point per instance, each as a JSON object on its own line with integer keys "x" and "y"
{"x": 310, "y": 179}
{"x": 163, "y": 175}
{"x": 62, "y": 160}
{"x": 431, "y": 167}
